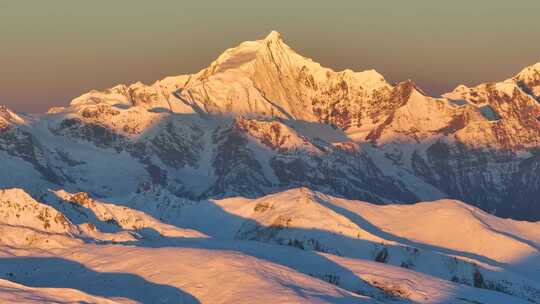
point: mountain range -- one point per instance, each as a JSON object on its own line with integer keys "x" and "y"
{"x": 262, "y": 119}
{"x": 266, "y": 177}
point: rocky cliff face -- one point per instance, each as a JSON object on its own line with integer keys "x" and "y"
{"x": 262, "y": 118}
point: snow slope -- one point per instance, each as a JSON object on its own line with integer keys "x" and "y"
{"x": 16, "y": 293}
{"x": 297, "y": 246}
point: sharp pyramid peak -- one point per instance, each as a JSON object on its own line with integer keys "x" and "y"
{"x": 274, "y": 43}
{"x": 273, "y": 36}
{"x": 247, "y": 52}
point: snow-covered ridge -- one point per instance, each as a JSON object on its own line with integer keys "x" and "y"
{"x": 17, "y": 208}
{"x": 351, "y": 250}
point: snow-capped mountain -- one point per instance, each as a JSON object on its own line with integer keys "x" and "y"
{"x": 262, "y": 118}
{"x": 267, "y": 178}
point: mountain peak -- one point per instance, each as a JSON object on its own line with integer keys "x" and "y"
{"x": 530, "y": 69}
{"x": 410, "y": 86}
{"x": 529, "y": 73}
{"x": 273, "y": 36}
{"x": 529, "y": 80}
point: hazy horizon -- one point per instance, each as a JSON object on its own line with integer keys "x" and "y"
{"x": 60, "y": 49}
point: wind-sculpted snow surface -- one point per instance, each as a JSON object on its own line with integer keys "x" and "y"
{"x": 297, "y": 246}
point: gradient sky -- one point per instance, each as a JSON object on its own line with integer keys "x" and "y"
{"x": 52, "y": 51}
